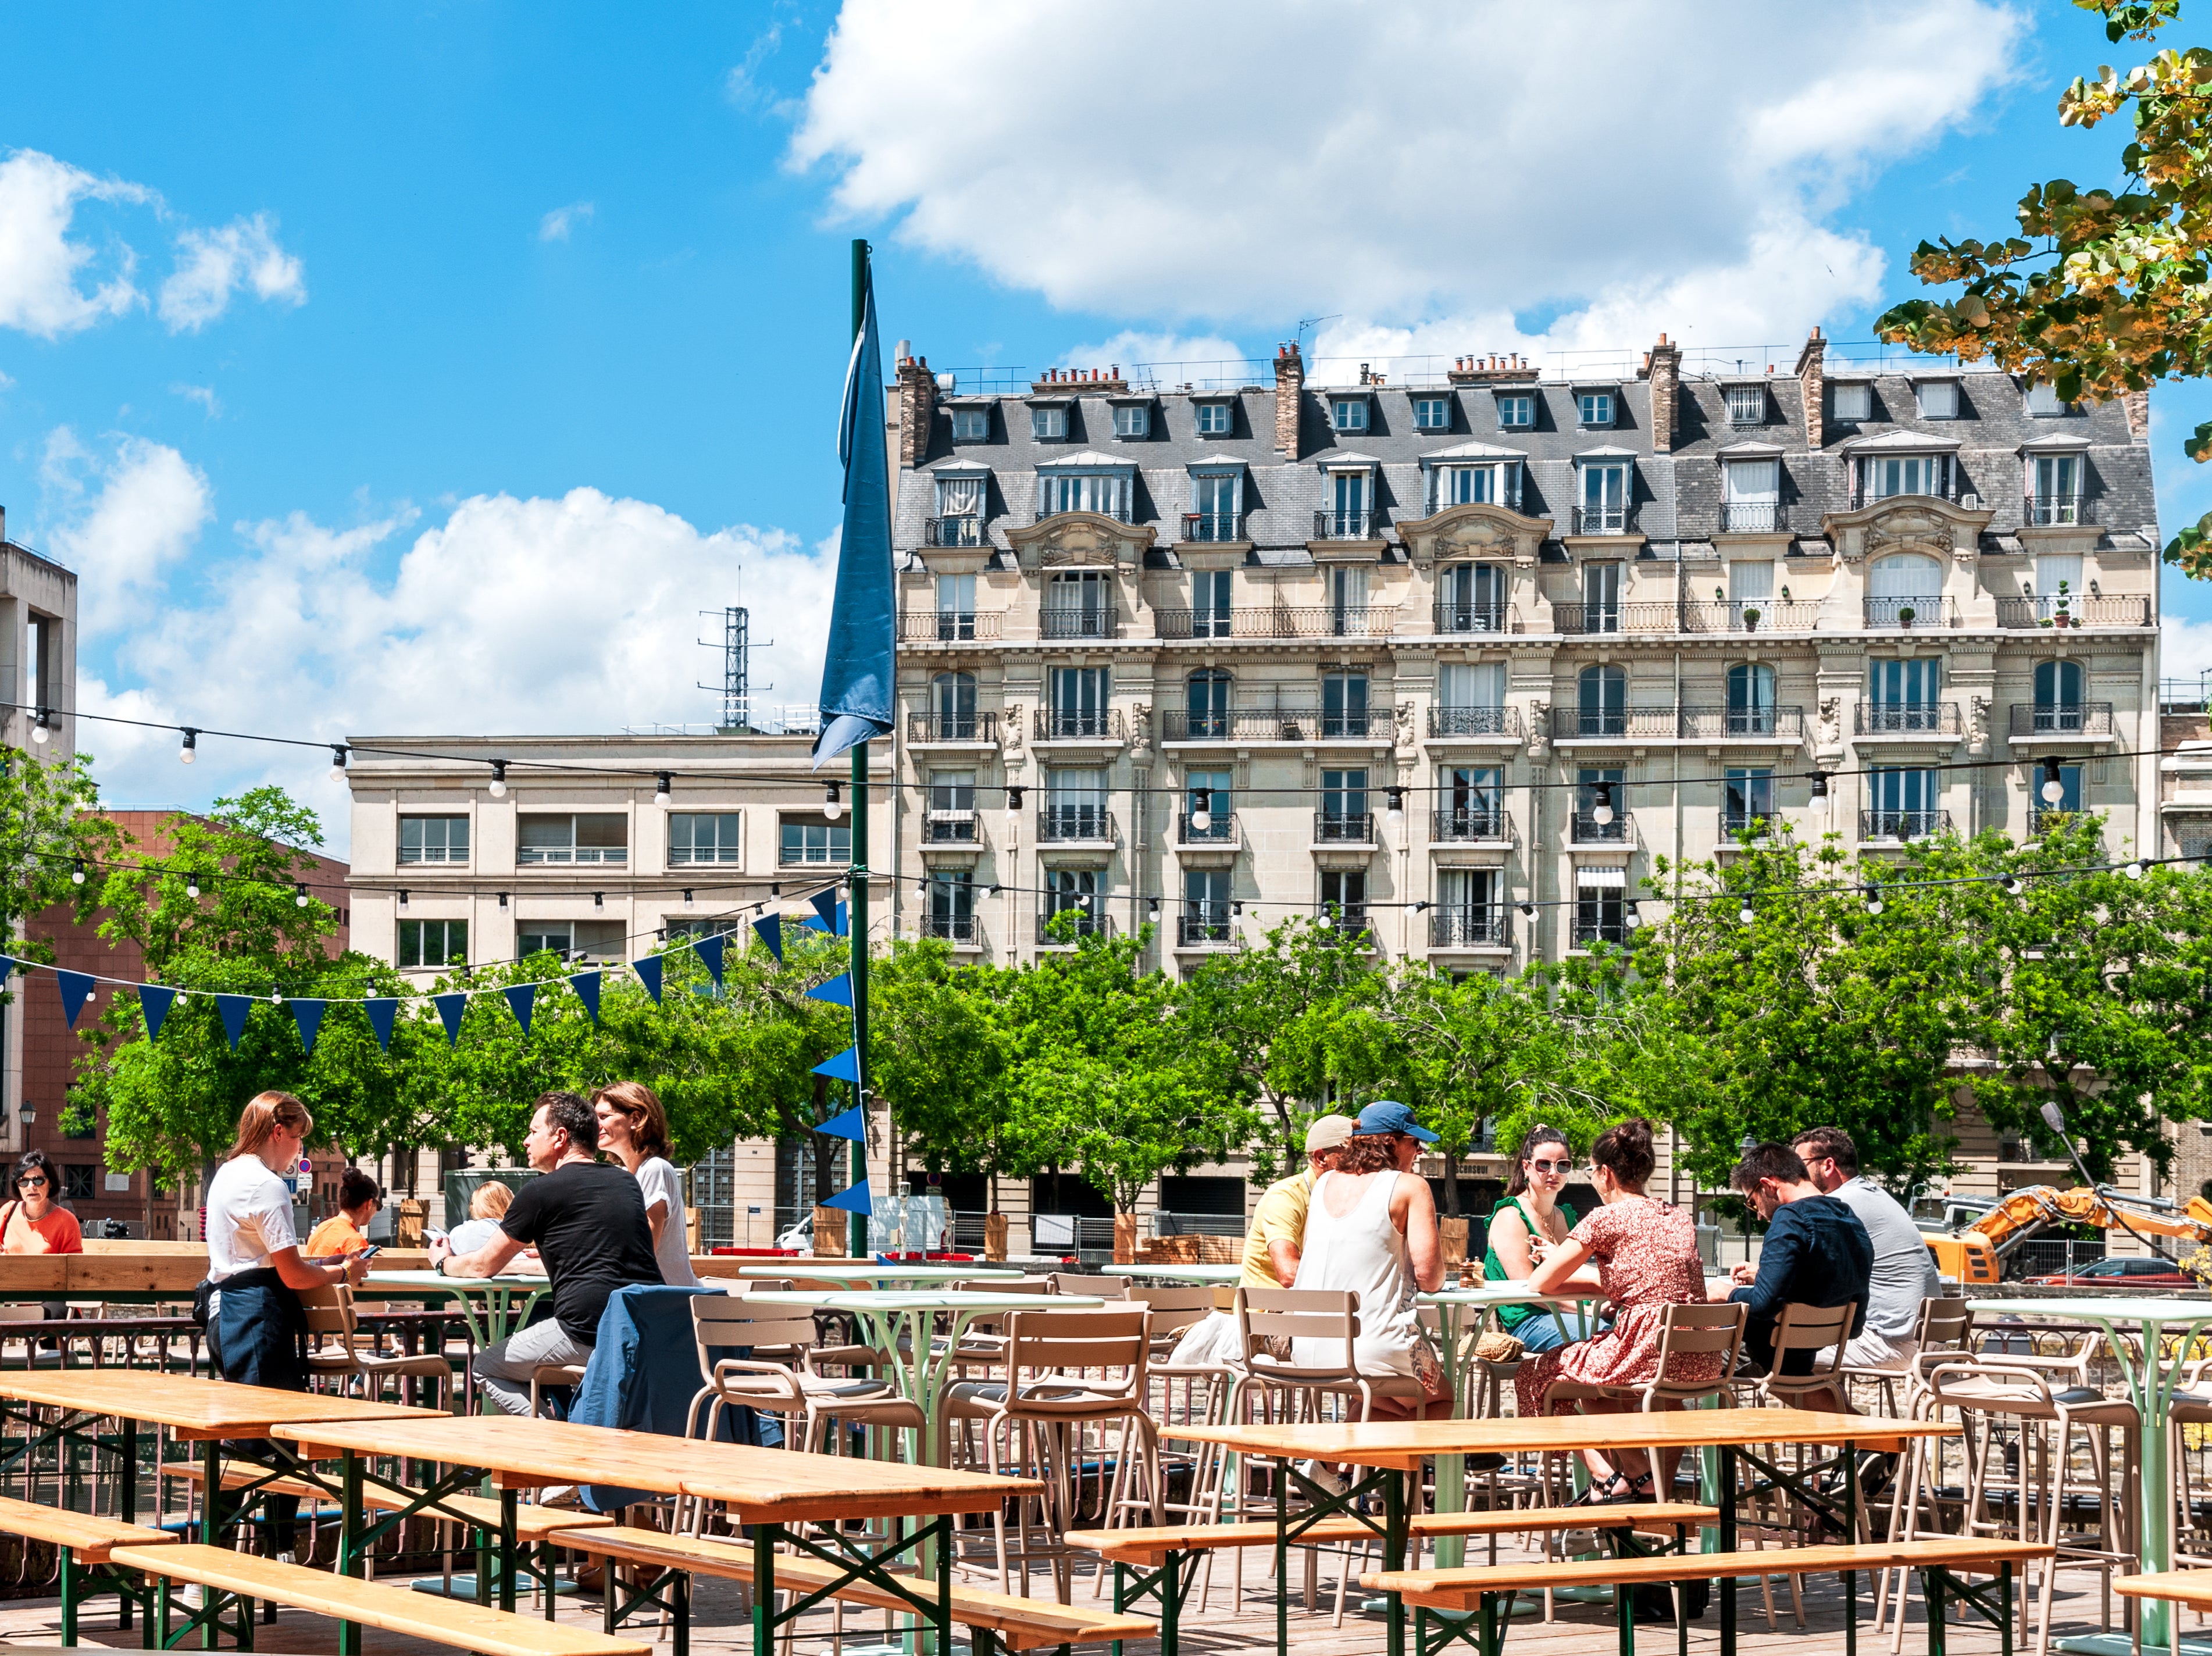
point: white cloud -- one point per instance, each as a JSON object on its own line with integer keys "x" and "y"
{"x": 213, "y": 264}
{"x": 1132, "y": 346}
{"x": 122, "y": 520}
{"x": 1606, "y": 169}
{"x": 39, "y": 265}
{"x": 204, "y": 395}
{"x": 2184, "y": 648}
{"x": 556, "y": 224}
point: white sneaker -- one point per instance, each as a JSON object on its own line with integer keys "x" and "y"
{"x": 1327, "y": 1478}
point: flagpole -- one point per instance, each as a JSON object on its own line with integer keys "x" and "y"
{"x": 856, "y": 931}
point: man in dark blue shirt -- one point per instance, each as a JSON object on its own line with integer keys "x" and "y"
{"x": 1816, "y": 1252}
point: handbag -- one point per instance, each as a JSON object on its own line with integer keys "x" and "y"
{"x": 1497, "y": 1346}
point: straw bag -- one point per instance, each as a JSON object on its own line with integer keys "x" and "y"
{"x": 1498, "y": 1347}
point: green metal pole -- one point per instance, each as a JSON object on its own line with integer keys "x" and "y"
{"x": 856, "y": 943}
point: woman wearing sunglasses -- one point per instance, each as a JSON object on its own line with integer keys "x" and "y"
{"x": 33, "y": 1222}
{"x": 1527, "y": 1223}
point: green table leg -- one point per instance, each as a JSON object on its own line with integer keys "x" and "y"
{"x": 1394, "y": 1554}
{"x": 126, "y": 1496}
{"x": 765, "y": 1536}
{"x": 211, "y": 1525}
{"x": 350, "y": 1517}
{"x": 69, "y": 1596}
{"x": 506, "y": 1550}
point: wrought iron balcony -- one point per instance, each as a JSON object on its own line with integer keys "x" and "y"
{"x": 1468, "y": 823}
{"x": 952, "y": 928}
{"x": 966, "y": 530}
{"x": 1754, "y": 517}
{"x": 1078, "y": 724}
{"x": 1861, "y": 499}
{"x": 1589, "y": 831}
{"x": 1118, "y": 513}
{"x": 1604, "y": 519}
{"x": 1242, "y": 724}
{"x": 1469, "y": 928}
{"x": 950, "y": 828}
{"x": 1588, "y": 932}
{"x": 1347, "y": 525}
{"x": 2055, "y": 510}
{"x": 2073, "y": 719}
{"x": 2123, "y": 610}
{"x": 1908, "y": 719}
{"x": 1337, "y": 621}
{"x": 1750, "y": 615}
{"x": 1079, "y": 923}
{"x": 1734, "y": 822}
{"x": 1060, "y": 824}
{"x": 1503, "y": 721}
{"x": 1589, "y": 618}
{"x": 1785, "y": 724}
{"x": 1202, "y": 526}
{"x": 947, "y": 626}
{"x": 1923, "y": 609}
{"x": 1097, "y": 621}
{"x": 1202, "y": 924}
{"x": 1902, "y": 825}
{"x": 1220, "y": 829}
{"x": 953, "y": 727}
{"x": 1350, "y": 917}
{"x": 1344, "y": 828}
{"x": 1473, "y": 618}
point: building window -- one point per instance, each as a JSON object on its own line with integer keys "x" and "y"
{"x": 1470, "y": 599}
{"x": 1211, "y": 616}
{"x": 78, "y": 1182}
{"x": 1432, "y": 414}
{"x": 703, "y": 837}
{"x": 1516, "y": 411}
{"x": 433, "y": 943}
{"x": 1208, "y": 791}
{"x": 2069, "y": 795}
{"x": 1344, "y": 804}
{"x": 1072, "y": 891}
{"x": 960, "y": 497}
{"x": 952, "y": 706}
{"x": 1751, "y": 699}
{"x": 1604, "y": 505}
{"x": 1082, "y": 702}
{"x": 1938, "y": 399}
{"x": 1049, "y": 425}
{"x": 2054, "y": 494}
{"x": 1216, "y": 500}
{"x": 1852, "y": 400}
{"x": 1602, "y": 701}
{"x": 594, "y": 939}
{"x": 1216, "y": 419}
{"x": 1747, "y": 800}
{"x": 955, "y": 607}
{"x": 1601, "y": 912}
{"x": 952, "y": 911}
{"x": 1903, "y": 798}
{"x": 1906, "y": 696}
{"x": 1350, "y": 413}
{"x": 1476, "y": 486}
{"x": 1084, "y": 492}
{"x": 951, "y": 817}
{"x": 1594, "y": 407}
{"x": 2057, "y": 687}
{"x": 971, "y": 425}
{"x": 1208, "y": 693}
{"x": 1470, "y": 800}
{"x": 1886, "y": 477}
{"x": 2044, "y": 400}
{"x": 1343, "y": 704}
{"x": 594, "y": 837}
{"x": 816, "y": 842}
{"x": 1747, "y": 404}
{"x": 1132, "y": 420}
{"x": 1344, "y": 898}
{"x": 434, "y": 839}
{"x": 1206, "y": 906}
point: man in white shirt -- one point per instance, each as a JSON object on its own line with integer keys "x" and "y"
{"x": 1904, "y": 1269}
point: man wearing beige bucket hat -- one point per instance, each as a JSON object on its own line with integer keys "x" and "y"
{"x": 1278, "y": 1222}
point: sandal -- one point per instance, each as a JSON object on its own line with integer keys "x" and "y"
{"x": 1631, "y": 1489}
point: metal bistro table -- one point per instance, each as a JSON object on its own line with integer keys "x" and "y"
{"x": 871, "y": 1273}
{"x": 2150, "y": 1374}
{"x": 493, "y": 1296}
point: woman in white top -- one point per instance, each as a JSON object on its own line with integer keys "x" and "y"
{"x": 634, "y": 1129}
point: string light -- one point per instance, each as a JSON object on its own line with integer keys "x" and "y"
{"x": 1201, "y": 815}
{"x": 192, "y": 886}
{"x": 337, "y": 761}
{"x": 687, "y": 900}
{"x": 1014, "y": 801}
{"x": 2054, "y": 783}
{"x": 598, "y": 900}
{"x": 299, "y": 896}
{"x": 1747, "y": 914}
{"x": 2012, "y": 885}
{"x": 402, "y": 899}
{"x": 1601, "y": 807}
{"x": 830, "y": 806}
{"x": 2136, "y": 870}
{"x": 76, "y": 874}
{"x": 1873, "y": 898}
{"x": 660, "y": 787}
{"x": 1395, "y": 812}
{"x": 186, "y": 753}
{"x": 39, "y": 733}
{"x": 1629, "y": 916}
{"x": 1322, "y": 922}
{"x": 503, "y": 898}
{"x": 1528, "y": 909}
{"x": 499, "y": 778}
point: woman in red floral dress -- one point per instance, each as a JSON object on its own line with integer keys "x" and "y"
{"x": 1646, "y": 1254}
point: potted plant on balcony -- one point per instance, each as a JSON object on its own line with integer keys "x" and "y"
{"x": 2062, "y": 616}
{"x": 1750, "y": 620}
{"x": 1904, "y": 615}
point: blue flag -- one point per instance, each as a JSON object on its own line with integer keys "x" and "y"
{"x": 309, "y": 1015}
{"x": 853, "y": 1123}
{"x": 586, "y": 986}
{"x": 648, "y": 973}
{"x": 837, "y": 991}
{"x": 153, "y": 1003}
{"x": 9, "y": 963}
{"x": 233, "y": 1009}
{"x": 825, "y": 903}
{"x": 76, "y": 987}
{"x": 770, "y": 927}
{"x": 520, "y": 997}
{"x": 854, "y": 1199}
{"x": 846, "y": 1066}
{"x": 857, "y": 672}
{"x": 450, "y": 1011}
{"x": 709, "y": 949}
{"x": 381, "y": 1012}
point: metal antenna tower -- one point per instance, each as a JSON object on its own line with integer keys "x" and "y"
{"x": 736, "y": 688}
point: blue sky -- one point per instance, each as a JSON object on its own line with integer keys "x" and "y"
{"x": 427, "y": 369}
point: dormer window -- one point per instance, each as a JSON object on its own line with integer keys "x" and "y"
{"x": 1497, "y": 484}
{"x": 1747, "y": 404}
{"x": 1516, "y": 410}
{"x": 1851, "y": 399}
{"x": 2044, "y": 402}
{"x": 971, "y": 425}
{"x": 1049, "y": 425}
{"x": 1432, "y": 414}
{"x": 1089, "y": 481}
{"x": 1593, "y": 409}
{"x": 1216, "y": 419}
{"x": 1131, "y": 420}
{"x": 1938, "y": 399}
{"x": 1886, "y": 477}
{"x": 1349, "y": 414}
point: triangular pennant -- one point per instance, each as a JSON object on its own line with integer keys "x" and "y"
{"x": 837, "y": 991}
{"x": 309, "y": 1015}
{"x": 648, "y": 973}
{"x": 826, "y": 904}
{"x": 816, "y": 923}
{"x": 844, "y": 920}
{"x": 381, "y": 1013}
{"x": 153, "y": 1003}
{"x": 586, "y": 986}
{"x": 233, "y": 1009}
{"x": 770, "y": 928}
{"x": 450, "y": 1009}
{"x": 74, "y": 987}
{"x": 854, "y": 1199}
{"x": 853, "y": 1123}
{"x": 9, "y": 963}
{"x": 846, "y": 1066}
{"x": 709, "y": 949}
{"x": 520, "y": 997}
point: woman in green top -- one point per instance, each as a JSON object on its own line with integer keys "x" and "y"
{"x": 1530, "y": 1219}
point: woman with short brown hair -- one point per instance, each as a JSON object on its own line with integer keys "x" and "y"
{"x": 634, "y": 1128}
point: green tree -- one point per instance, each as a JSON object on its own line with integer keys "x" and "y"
{"x": 938, "y": 1056}
{"x": 52, "y": 844}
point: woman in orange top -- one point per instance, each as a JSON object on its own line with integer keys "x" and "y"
{"x": 33, "y": 1221}
{"x": 346, "y": 1231}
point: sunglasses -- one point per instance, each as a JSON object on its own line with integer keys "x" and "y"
{"x": 1560, "y": 1168}
{"x": 31, "y": 1181}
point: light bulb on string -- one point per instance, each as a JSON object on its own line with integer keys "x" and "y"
{"x": 1528, "y": 911}
{"x": 1819, "y": 793}
{"x": 498, "y": 779}
{"x": 1322, "y": 922}
{"x": 1014, "y": 801}
{"x": 1601, "y": 805}
{"x": 337, "y": 761}
{"x": 299, "y": 896}
{"x": 660, "y": 788}
{"x": 687, "y": 900}
{"x": 2013, "y": 887}
{"x": 193, "y": 886}
{"x": 1630, "y": 918}
{"x": 1395, "y": 812}
{"x": 76, "y": 874}
{"x": 186, "y": 754}
{"x": 39, "y": 733}
{"x": 2054, "y": 783}
{"x": 1748, "y": 913}
{"x": 1201, "y": 812}
{"x": 1874, "y": 899}
{"x": 832, "y": 807}
{"x": 2136, "y": 870}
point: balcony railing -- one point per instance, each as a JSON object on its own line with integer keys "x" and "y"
{"x": 966, "y": 530}
{"x": 1719, "y": 724}
{"x": 948, "y": 626}
{"x": 1343, "y": 917}
{"x": 1476, "y": 721}
{"x": 1908, "y": 719}
{"x": 953, "y": 727}
{"x": 1734, "y": 822}
{"x": 570, "y": 854}
{"x": 1571, "y": 723}
{"x": 952, "y": 928}
{"x": 1059, "y": 824}
{"x": 1204, "y": 923}
{"x": 1588, "y": 932}
{"x": 2076, "y": 719}
{"x": 1754, "y": 517}
{"x": 1903, "y": 824}
{"x": 1346, "y": 827}
{"x": 1073, "y": 724}
{"x": 1614, "y": 618}
{"x": 950, "y": 828}
{"x": 1604, "y": 519}
{"x": 1220, "y": 829}
{"x": 2042, "y": 818}
{"x": 2055, "y": 510}
{"x": 2130, "y": 610}
{"x": 1338, "y": 620}
{"x": 1473, "y": 618}
{"x": 1468, "y": 823}
{"x": 1347, "y": 525}
{"x": 1750, "y": 615}
{"x": 1085, "y": 923}
{"x": 1922, "y": 609}
{"x": 1861, "y": 499}
{"x": 1243, "y": 724}
{"x": 1469, "y": 928}
{"x": 1118, "y": 513}
{"x": 1589, "y": 831}
{"x": 1676, "y": 723}
{"x": 1097, "y": 621}
{"x": 1200, "y": 526}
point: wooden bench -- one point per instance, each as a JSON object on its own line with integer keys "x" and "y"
{"x": 991, "y": 1618}
{"x": 450, "y": 1621}
{"x": 1478, "y": 1589}
{"x": 87, "y": 1545}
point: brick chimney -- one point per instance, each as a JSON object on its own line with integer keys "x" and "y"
{"x": 1664, "y": 369}
{"x": 1811, "y": 367}
{"x": 917, "y": 397}
{"x": 1290, "y": 399}
{"x": 2137, "y": 404}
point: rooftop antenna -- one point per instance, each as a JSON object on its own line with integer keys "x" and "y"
{"x": 1313, "y": 322}
{"x": 736, "y": 688}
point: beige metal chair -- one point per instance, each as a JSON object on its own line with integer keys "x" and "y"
{"x": 779, "y": 1378}
{"x": 1098, "y": 1287}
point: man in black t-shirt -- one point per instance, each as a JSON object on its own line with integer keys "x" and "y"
{"x": 586, "y": 1220}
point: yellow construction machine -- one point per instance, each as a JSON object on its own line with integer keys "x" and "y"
{"x": 1976, "y": 1251}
